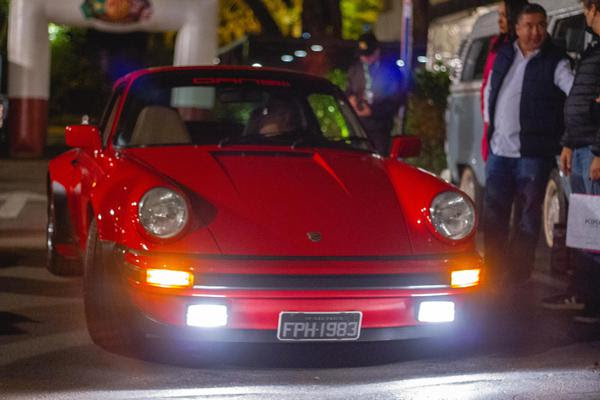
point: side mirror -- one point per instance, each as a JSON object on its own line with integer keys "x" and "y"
{"x": 574, "y": 40}
{"x": 83, "y": 136}
{"x": 405, "y": 147}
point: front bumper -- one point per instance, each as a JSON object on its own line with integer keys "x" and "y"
{"x": 388, "y": 304}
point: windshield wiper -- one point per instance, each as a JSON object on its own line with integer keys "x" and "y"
{"x": 357, "y": 139}
{"x": 229, "y": 140}
{"x": 308, "y": 140}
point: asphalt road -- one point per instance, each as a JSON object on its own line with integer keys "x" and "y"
{"x": 521, "y": 351}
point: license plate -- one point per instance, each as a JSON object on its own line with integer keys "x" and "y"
{"x": 319, "y": 326}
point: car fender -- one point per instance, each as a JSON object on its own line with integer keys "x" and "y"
{"x": 415, "y": 200}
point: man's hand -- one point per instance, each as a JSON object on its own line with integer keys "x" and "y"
{"x": 364, "y": 111}
{"x": 566, "y": 156}
{"x": 353, "y": 102}
{"x": 595, "y": 169}
{"x": 361, "y": 108}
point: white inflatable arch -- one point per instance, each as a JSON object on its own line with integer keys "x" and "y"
{"x": 29, "y": 56}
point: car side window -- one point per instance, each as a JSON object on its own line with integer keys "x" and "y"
{"x": 108, "y": 118}
{"x": 329, "y": 116}
{"x": 475, "y": 60}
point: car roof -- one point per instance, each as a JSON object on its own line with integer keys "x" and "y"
{"x": 237, "y": 71}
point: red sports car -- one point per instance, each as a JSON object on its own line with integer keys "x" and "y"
{"x": 247, "y": 205}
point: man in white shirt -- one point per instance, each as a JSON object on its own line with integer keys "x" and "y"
{"x": 523, "y": 102}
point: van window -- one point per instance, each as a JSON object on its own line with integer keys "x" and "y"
{"x": 475, "y": 60}
{"x": 562, "y": 26}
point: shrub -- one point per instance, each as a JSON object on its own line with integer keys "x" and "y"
{"x": 425, "y": 110}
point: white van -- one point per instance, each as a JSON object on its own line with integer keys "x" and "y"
{"x": 464, "y": 123}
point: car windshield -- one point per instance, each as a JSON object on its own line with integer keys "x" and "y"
{"x": 184, "y": 109}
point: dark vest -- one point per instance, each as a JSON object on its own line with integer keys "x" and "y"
{"x": 542, "y": 102}
{"x": 582, "y": 113}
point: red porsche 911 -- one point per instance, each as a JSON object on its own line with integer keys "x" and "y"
{"x": 236, "y": 204}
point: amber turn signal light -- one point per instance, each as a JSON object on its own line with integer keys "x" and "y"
{"x": 169, "y": 278}
{"x": 465, "y": 278}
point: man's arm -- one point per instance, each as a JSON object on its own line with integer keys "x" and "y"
{"x": 486, "y": 98}
{"x": 563, "y": 76}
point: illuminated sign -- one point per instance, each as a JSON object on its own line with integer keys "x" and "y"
{"x": 117, "y": 11}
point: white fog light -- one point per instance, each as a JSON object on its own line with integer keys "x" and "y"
{"x": 436, "y": 311}
{"x": 206, "y": 315}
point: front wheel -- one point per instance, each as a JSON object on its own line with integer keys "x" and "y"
{"x": 108, "y": 311}
{"x": 554, "y": 210}
{"x": 56, "y": 263}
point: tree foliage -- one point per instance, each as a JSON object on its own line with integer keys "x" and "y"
{"x": 239, "y": 17}
{"x": 358, "y": 16}
{"x": 425, "y": 117}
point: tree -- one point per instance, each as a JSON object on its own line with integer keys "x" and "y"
{"x": 268, "y": 24}
{"x": 342, "y": 19}
{"x": 358, "y": 16}
{"x": 322, "y": 18}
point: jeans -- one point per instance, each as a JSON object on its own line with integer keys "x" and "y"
{"x": 509, "y": 255}
{"x": 586, "y": 280}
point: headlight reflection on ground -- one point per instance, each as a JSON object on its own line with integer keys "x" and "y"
{"x": 546, "y": 384}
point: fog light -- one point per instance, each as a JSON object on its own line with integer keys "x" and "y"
{"x": 169, "y": 278}
{"x": 436, "y": 311}
{"x": 206, "y": 315}
{"x": 464, "y": 278}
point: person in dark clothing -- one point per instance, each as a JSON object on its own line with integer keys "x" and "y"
{"x": 375, "y": 92}
{"x": 524, "y": 101}
{"x": 580, "y": 159}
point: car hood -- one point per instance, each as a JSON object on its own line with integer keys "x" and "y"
{"x": 288, "y": 203}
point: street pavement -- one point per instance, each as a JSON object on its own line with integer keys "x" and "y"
{"x": 23, "y": 203}
{"x": 521, "y": 351}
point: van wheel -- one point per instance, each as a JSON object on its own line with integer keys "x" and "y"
{"x": 554, "y": 211}
{"x": 468, "y": 184}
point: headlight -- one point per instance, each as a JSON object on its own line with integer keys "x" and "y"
{"x": 452, "y": 215}
{"x": 163, "y": 212}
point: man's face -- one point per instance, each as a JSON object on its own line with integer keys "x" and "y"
{"x": 502, "y": 20}
{"x": 371, "y": 58}
{"x": 590, "y": 14}
{"x": 531, "y": 30}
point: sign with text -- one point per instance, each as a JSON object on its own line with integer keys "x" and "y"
{"x": 583, "y": 223}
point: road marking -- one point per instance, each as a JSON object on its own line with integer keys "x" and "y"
{"x": 12, "y": 302}
{"x": 572, "y": 383}
{"x": 39, "y": 346}
{"x": 14, "y": 202}
{"x": 37, "y": 273}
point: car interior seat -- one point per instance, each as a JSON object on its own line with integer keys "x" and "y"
{"x": 159, "y": 125}
{"x": 275, "y": 118}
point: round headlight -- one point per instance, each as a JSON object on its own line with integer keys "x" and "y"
{"x": 163, "y": 212}
{"x": 452, "y": 215}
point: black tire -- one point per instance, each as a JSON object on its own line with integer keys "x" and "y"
{"x": 55, "y": 262}
{"x": 108, "y": 311}
{"x": 554, "y": 209}
{"x": 468, "y": 184}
